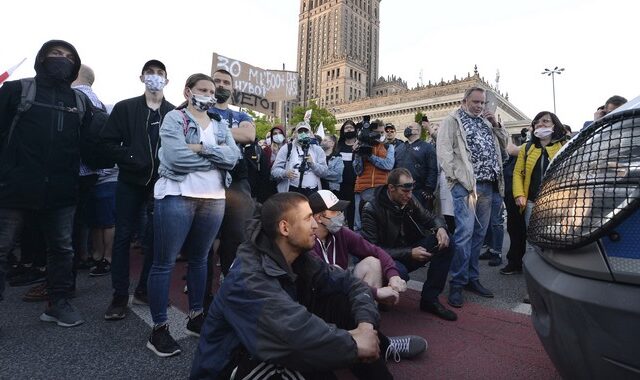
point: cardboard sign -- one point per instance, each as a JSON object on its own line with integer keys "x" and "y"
{"x": 256, "y": 88}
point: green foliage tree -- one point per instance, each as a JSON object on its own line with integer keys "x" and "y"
{"x": 263, "y": 125}
{"x": 318, "y": 114}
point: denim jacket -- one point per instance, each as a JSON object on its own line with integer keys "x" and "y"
{"x": 177, "y": 160}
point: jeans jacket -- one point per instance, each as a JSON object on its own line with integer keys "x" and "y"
{"x": 177, "y": 160}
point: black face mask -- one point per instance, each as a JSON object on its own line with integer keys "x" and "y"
{"x": 350, "y": 134}
{"x": 222, "y": 95}
{"x": 58, "y": 67}
{"x": 408, "y": 132}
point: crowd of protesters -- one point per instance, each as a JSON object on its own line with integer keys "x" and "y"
{"x": 314, "y": 235}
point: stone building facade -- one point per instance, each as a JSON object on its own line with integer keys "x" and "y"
{"x": 434, "y": 100}
{"x": 338, "y": 50}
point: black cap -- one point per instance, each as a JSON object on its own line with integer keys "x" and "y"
{"x": 153, "y": 62}
{"x": 326, "y": 200}
{"x": 389, "y": 126}
{"x": 424, "y": 118}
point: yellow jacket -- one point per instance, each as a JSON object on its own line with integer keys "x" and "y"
{"x": 522, "y": 170}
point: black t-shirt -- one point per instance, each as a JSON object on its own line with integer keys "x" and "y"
{"x": 348, "y": 174}
{"x": 537, "y": 174}
{"x": 153, "y": 129}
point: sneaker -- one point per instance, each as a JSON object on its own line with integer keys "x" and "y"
{"x": 37, "y": 293}
{"x": 486, "y": 253}
{"x": 87, "y": 263}
{"x": 194, "y": 325}
{"x": 476, "y": 287}
{"x": 140, "y": 298}
{"x": 437, "y": 309}
{"x": 162, "y": 343}
{"x": 29, "y": 277}
{"x": 117, "y": 309}
{"x": 455, "y": 298}
{"x": 495, "y": 260}
{"x": 511, "y": 269}
{"x": 102, "y": 268}
{"x": 62, "y": 313}
{"x": 405, "y": 347}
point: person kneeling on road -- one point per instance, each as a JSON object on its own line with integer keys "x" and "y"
{"x": 334, "y": 243}
{"x": 283, "y": 313}
{"x": 413, "y": 236}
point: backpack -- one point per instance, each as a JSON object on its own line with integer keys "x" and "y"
{"x": 27, "y": 99}
{"x": 90, "y": 147}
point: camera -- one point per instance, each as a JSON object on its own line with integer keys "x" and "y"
{"x": 367, "y": 136}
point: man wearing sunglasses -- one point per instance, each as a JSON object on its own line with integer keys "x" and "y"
{"x": 413, "y": 236}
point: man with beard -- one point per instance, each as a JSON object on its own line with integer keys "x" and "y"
{"x": 282, "y": 311}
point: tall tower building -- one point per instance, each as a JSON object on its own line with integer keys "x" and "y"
{"x": 338, "y": 50}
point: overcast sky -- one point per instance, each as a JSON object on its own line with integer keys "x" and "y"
{"x": 595, "y": 41}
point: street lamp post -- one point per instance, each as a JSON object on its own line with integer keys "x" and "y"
{"x": 552, "y": 74}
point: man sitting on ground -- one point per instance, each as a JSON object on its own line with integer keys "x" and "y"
{"x": 282, "y": 311}
{"x": 334, "y": 243}
{"x": 413, "y": 236}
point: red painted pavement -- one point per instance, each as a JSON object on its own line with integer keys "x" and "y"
{"x": 484, "y": 343}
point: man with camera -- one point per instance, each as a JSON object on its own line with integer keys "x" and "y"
{"x": 300, "y": 164}
{"x": 372, "y": 163}
{"x": 395, "y": 221}
{"x": 419, "y": 157}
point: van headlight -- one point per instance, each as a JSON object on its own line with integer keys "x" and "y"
{"x": 591, "y": 184}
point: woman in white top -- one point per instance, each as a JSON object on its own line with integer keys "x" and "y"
{"x": 197, "y": 152}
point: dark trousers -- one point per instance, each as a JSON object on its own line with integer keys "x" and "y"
{"x": 438, "y": 268}
{"x": 56, "y": 225}
{"x": 80, "y": 236}
{"x": 239, "y": 208}
{"x": 346, "y": 193}
{"x": 33, "y": 249}
{"x": 517, "y": 232}
{"x": 335, "y": 309}
{"x": 306, "y": 191}
{"x": 129, "y": 199}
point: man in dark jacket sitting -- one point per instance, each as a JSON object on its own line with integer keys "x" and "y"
{"x": 413, "y": 236}
{"x": 281, "y": 310}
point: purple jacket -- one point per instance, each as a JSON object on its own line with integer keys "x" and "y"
{"x": 348, "y": 242}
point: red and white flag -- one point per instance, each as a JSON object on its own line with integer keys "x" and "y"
{"x": 5, "y": 75}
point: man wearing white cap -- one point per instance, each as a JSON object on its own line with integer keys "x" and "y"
{"x": 335, "y": 242}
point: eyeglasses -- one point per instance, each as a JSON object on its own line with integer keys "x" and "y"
{"x": 544, "y": 121}
{"x": 405, "y": 186}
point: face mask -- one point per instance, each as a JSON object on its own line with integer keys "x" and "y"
{"x": 408, "y": 132}
{"x": 543, "y": 132}
{"x": 58, "y": 67}
{"x": 222, "y": 95}
{"x": 382, "y": 138}
{"x": 267, "y": 141}
{"x": 202, "y": 102}
{"x": 304, "y": 138}
{"x": 350, "y": 134}
{"x": 278, "y": 139}
{"x": 335, "y": 224}
{"x": 154, "y": 82}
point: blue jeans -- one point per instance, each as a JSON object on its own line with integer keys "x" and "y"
{"x": 57, "y": 226}
{"x": 472, "y": 218}
{"x": 495, "y": 234}
{"x": 437, "y": 272}
{"x": 181, "y": 221}
{"x": 129, "y": 200}
{"x": 361, "y": 198}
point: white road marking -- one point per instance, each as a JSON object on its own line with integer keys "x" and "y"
{"x": 176, "y": 318}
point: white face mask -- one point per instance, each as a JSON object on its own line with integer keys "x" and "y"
{"x": 382, "y": 138}
{"x": 543, "y": 132}
{"x": 154, "y": 82}
{"x": 267, "y": 141}
{"x": 278, "y": 139}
